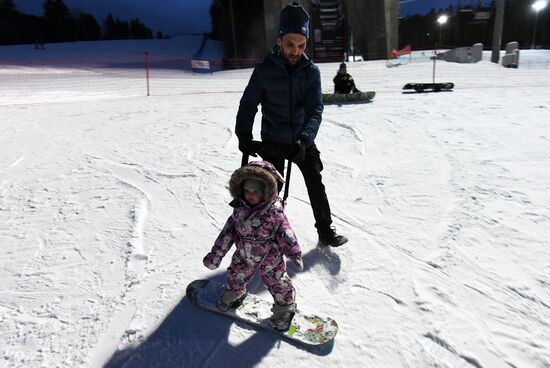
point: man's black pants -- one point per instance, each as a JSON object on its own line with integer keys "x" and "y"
{"x": 311, "y": 169}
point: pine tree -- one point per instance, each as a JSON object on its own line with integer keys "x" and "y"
{"x": 7, "y": 8}
{"x": 88, "y": 28}
{"x": 59, "y": 24}
{"x": 110, "y": 27}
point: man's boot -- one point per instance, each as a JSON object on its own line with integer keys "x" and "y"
{"x": 328, "y": 237}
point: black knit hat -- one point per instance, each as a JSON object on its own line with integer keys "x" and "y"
{"x": 294, "y": 19}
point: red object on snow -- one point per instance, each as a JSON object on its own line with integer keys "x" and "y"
{"x": 394, "y": 54}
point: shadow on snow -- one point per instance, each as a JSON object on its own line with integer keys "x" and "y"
{"x": 193, "y": 337}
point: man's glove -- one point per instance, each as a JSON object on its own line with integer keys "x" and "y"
{"x": 297, "y": 263}
{"x": 244, "y": 147}
{"x": 299, "y": 151}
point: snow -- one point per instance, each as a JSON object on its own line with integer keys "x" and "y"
{"x": 109, "y": 200}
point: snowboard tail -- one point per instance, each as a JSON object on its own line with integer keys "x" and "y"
{"x": 305, "y": 328}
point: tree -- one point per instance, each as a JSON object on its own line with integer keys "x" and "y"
{"x": 216, "y": 19}
{"x": 88, "y": 28}
{"x": 122, "y": 29}
{"x": 8, "y": 26}
{"x": 472, "y": 24}
{"x": 138, "y": 30}
{"x": 109, "y": 27}
{"x": 115, "y": 29}
{"x": 59, "y": 24}
{"x": 7, "y": 8}
{"x": 55, "y": 9}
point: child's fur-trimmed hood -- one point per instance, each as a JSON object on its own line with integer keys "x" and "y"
{"x": 257, "y": 170}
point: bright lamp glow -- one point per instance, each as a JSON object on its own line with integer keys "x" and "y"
{"x": 539, "y": 5}
{"x": 442, "y": 19}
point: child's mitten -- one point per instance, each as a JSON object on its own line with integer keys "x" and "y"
{"x": 211, "y": 261}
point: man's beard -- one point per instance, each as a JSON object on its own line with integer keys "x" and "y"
{"x": 289, "y": 60}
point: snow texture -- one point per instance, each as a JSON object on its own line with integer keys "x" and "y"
{"x": 109, "y": 203}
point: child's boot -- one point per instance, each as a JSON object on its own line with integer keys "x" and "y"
{"x": 282, "y": 316}
{"x": 229, "y": 300}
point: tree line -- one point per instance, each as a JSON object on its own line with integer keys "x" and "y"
{"x": 472, "y": 24}
{"x": 59, "y": 24}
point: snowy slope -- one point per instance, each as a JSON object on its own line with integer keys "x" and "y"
{"x": 107, "y": 206}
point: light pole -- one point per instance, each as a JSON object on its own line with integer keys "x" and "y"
{"x": 537, "y": 6}
{"x": 497, "y": 30}
{"x": 442, "y": 19}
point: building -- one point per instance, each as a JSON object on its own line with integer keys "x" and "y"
{"x": 368, "y": 28}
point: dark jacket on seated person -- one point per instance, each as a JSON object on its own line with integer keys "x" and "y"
{"x": 343, "y": 82}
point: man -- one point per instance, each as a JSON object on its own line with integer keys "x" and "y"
{"x": 288, "y": 86}
{"x": 343, "y": 82}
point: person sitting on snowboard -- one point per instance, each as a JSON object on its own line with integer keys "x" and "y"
{"x": 343, "y": 82}
{"x": 262, "y": 236}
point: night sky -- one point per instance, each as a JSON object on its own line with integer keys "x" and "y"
{"x": 409, "y": 7}
{"x": 168, "y": 16}
{"x": 185, "y": 16}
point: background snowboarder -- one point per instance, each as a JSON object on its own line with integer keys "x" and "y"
{"x": 343, "y": 82}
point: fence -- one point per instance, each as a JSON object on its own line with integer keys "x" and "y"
{"x": 49, "y": 77}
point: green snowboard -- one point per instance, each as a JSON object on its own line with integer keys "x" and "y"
{"x": 350, "y": 98}
{"x": 306, "y": 328}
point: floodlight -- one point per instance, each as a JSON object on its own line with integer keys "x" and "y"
{"x": 539, "y": 5}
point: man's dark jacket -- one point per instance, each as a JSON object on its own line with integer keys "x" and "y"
{"x": 292, "y": 105}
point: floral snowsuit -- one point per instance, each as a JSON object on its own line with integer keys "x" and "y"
{"x": 262, "y": 236}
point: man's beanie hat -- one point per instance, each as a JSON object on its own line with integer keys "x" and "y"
{"x": 294, "y": 19}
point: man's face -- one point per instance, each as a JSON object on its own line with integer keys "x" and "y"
{"x": 292, "y": 47}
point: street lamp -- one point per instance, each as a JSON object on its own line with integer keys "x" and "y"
{"x": 537, "y": 6}
{"x": 442, "y": 19}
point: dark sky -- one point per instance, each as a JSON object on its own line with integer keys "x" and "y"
{"x": 168, "y": 16}
{"x": 409, "y": 7}
{"x": 187, "y": 16}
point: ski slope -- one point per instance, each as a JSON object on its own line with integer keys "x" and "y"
{"x": 109, "y": 203}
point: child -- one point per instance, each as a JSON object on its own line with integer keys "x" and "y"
{"x": 263, "y": 236}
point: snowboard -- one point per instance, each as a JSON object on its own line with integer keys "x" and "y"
{"x": 306, "y": 328}
{"x": 348, "y": 98}
{"x": 429, "y": 87}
